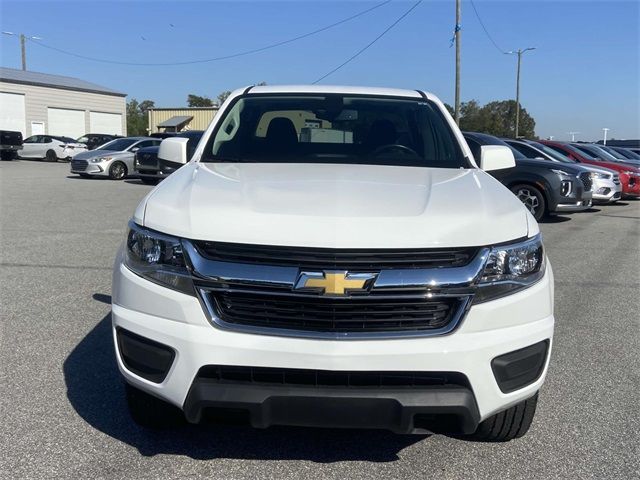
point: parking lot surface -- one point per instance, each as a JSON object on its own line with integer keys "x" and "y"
{"x": 62, "y": 407}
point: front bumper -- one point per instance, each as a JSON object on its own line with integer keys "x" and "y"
{"x": 489, "y": 330}
{"x": 583, "y": 203}
{"x": 606, "y": 191}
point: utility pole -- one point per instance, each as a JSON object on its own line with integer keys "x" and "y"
{"x": 23, "y": 48}
{"x": 573, "y": 135}
{"x": 605, "y": 130}
{"x": 518, "y": 52}
{"x": 457, "y": 40}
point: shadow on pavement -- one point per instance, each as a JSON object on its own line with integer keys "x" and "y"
{"x": 554, "y": 219}
{"x": 96, "y": 392}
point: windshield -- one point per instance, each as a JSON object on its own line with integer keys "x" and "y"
{"x": 65, "y": 139}
{"x": 335, "y": 129}
{"x": 552, "y": 153}
{"x": 119, "y": 144}
{"x": 84, "y": 139}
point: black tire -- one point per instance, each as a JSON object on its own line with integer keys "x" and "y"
{"x": 6, "y": 155}
{"x": 51, "y": 156}
{"x": 149, "y": 181}
{"x": 151, "y": 412}
{"x": 507, "y": 425}
{"x": 117, "y": 171}
{"x": 532, "y": 198}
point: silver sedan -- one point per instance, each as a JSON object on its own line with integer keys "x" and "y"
{"x": 113, "y": 159}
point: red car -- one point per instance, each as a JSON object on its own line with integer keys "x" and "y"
{"x": 629, "y": 175}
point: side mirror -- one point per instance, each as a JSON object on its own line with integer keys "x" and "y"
{"x": 496, "y": 157}
{"x": 174, "y": 150}
{"x": 135, "y": 149}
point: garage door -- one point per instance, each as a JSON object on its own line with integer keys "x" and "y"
{"x": 109, "y": 123}
{"x": 68, "y": 123}
{"x": 12, "y": 115}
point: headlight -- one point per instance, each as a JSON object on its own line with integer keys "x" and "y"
{"x": 565, "y": 188}
{"x": 630, "y": 173}
{"x": 510, "y": 268}
{"x": 158, "y": 258}
{"x": 595, "y": 175}
{"x": 100, "y": 159}
{"x": 560, "y": 172}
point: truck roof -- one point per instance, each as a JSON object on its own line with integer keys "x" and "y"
{"x": 347, "y": 90}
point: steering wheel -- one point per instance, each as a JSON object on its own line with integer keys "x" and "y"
{"x": 395, "y": 146}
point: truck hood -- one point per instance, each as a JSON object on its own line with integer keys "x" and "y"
{"x": 335, "y": 206}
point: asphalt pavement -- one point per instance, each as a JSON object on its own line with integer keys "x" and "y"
{"x": 62, "y": 408}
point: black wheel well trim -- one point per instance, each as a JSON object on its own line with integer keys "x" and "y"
{"x": 544, "y": 189}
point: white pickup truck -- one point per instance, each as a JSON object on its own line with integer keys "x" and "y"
{"x": 372, "y": 278}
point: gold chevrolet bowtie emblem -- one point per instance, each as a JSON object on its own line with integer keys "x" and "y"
{"x": 334, "y": 282}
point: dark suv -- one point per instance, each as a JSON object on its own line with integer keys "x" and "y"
{"x": 94, "y": 140}
{"x": 147, "y": 166}
{"x": 543, "y": 186}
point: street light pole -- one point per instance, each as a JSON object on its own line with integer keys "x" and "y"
{"x": 519, "y": 52}
{"x": 605, "y": 130}
{"x": 23, "y": 48}
{"x": 457, "y": 40}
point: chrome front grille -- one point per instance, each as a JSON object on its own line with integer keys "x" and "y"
{"x": 267, "y": 299}
{"x": 585, "y": 178}
{"x": 79, "y": 165}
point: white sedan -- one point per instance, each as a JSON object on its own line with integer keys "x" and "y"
{"x": 51, "y": 148}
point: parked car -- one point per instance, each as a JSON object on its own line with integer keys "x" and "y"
{"x": 626, "y": 153}
{"x": 10, "y": 143}
{"x": 146, "y": 164}
{"x": 629, "y": 175}
{"x": 606, "y": 183}
{"x": 94, "y": 140}
{"x": 113, "y": 159}
{"x": 542, "y": 186}
{"x": 373, "y": 277}
{"x": 51, "y": 148}
{"x": 599, "y": 152}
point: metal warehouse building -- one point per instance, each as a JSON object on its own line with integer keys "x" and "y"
{"x": 38, "y": 103}
{"x": 180, "y": 119}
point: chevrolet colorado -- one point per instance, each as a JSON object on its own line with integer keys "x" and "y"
{"x": 334, "y": 257}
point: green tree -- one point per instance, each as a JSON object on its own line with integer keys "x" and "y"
{"x": 223, "y": 96}
{"x": 198, "y": 101}
{"x": 496, "y": 118}
{"x": 137, "y": 119}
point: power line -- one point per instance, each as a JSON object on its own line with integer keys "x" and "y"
{"x": 485, "y": 28}
{"x": 215, "y": 59}
{"x": 369, "y": 44}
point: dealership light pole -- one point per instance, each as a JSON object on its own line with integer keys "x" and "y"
{"x": 573, "y": 135}
{"x": 518, "y": 52}
{"x": 457, "y": 40}
{"x": 605, "y": 130}
{"x": 23, "y": 48}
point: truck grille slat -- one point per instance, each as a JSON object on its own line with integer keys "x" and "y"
{"x": 79, "y": 165}
{"x": 327, "y": 258}
{"x": 585, "y": 178}
{"x": 332, "y": 315}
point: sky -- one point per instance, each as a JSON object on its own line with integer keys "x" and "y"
{"x": 583, "y": 76}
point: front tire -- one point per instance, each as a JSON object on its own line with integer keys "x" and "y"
{"x": 532, "y": 198}
{"x": 6, "y": 155}
{"x": 117, "y": 171}
{"x": 149, "y": 181}
{"x": 512, "y": 423}
{"x": 51, "y": 156}
{"x": 151, "y": 412}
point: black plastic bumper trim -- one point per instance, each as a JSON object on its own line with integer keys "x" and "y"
{"x": 401, "y": 410}
{"x": 520, "y": 368}
{"x": 146, "y": 358}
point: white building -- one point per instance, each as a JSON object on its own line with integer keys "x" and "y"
{"x": 38, "y": 103}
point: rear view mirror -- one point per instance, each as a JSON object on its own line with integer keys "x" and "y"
{"x": 174, "y": 150}
{"x": 496, "y": 157}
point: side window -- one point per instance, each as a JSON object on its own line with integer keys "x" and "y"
{"x": 45, "y": 139}
{"x": 32, "y": 139}
{"x": 475, "y": 149}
